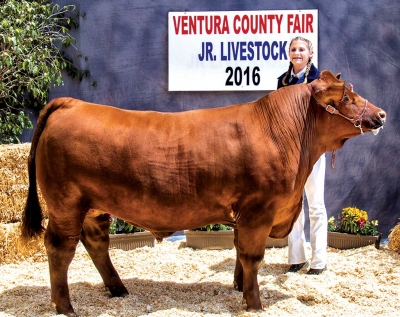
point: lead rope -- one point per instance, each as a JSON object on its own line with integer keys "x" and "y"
{"x": 333, "y": 159}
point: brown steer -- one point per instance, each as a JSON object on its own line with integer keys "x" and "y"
{"x": 243, "y": 165}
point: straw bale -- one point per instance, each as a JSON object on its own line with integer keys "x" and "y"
{"x": 394, "y": 239}
{"x": 14, "y": 182}
{"x": 12, "y": 202}
{"x": 13, "y": 164}
{"x": 13, "y": 193}
{"x": 13, "y": 250}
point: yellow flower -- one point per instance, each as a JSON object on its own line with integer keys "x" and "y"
{"x": 355, "y": 212}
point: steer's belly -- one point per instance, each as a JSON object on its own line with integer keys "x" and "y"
{"x": 155, "y": 216}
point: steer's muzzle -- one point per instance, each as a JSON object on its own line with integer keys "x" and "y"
{"x": 378, "y": 122}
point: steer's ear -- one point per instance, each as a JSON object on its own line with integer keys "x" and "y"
{"x": 330, "y": 92}
{"x": 328, "y": 87}
{"x": 338, "y": 75}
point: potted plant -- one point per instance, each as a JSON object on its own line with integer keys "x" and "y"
{"x": 353, "y": 229}
{"x": 126, "y": 236}
{"x": 212, "y": 236}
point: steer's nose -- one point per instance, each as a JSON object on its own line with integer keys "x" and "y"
{"x": 382, "y": 115}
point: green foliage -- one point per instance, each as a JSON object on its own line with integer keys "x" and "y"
{"x": 369, "y": 229}
{"x": 353, "y": 221}
{"x": 118, "y": 226}
{"x": 12, "y": 125}
{"x": 33, "y": 35}
{"x": 213, "y": 227}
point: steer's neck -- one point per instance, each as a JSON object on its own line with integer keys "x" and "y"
{"x": 290, "y": 122}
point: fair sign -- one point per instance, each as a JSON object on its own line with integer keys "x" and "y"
{"x": 234, "y": 50}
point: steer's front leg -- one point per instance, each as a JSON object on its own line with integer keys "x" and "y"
{"x": 251, "y": 292}
{"x": 251, "y": 245}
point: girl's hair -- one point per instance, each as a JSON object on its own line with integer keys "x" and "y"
{"x": 310, "y": 48}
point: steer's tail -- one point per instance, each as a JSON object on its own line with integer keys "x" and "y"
{"x": 32, "y": 217}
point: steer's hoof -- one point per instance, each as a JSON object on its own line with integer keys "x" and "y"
{"x": 66, "y": 310}
{"x": 70, "y": 314}
{"x": 118, "y": 291}
{"x": 238, "y": 287}
{"x": 250, "y": 310}
{"x": 254, "y": 308}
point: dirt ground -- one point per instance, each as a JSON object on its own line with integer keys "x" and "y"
{"x": 173, "y": 280}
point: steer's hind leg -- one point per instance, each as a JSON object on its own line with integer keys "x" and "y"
{"x": 60, "y": 240}
{"x": 238, "y": 275}
{"x": 95, "y": 238}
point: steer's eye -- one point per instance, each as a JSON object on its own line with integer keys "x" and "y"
{"x": 346, "y": 99}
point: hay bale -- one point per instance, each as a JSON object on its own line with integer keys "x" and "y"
{"x": 394, "y": 239}
{"x": 12, "y": 202}
{"x": 13, "y": 250}
{"x": 13, "y": 192}
{"x": 14, "y": 182}
{"x": 13, "y": 164}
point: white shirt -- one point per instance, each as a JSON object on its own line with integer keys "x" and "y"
{"x": 300, "y": 74}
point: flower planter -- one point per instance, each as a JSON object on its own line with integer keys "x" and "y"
{"x": 213, "y": 240}
{"x": 222, "y": 240}
{"x": 350, "y": 241}
{"x": 277, "y": 243}
{"x": 130, "y": 241}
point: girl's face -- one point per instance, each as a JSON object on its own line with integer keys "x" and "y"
{"x": 299, "y": 55}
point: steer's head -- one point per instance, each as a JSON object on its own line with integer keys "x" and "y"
{"x": 332, "y": 94}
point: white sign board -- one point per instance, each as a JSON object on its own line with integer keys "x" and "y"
{"x": 234, "y": 50}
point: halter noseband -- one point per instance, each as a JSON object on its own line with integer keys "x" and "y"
{"x": 356, "y": 121}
